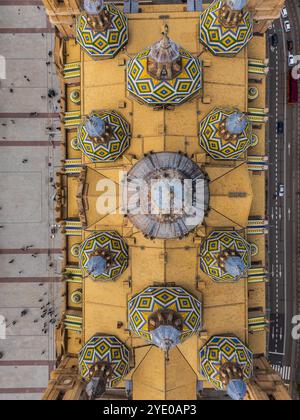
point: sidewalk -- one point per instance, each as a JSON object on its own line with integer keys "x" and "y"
{"x": 29, "y": 258}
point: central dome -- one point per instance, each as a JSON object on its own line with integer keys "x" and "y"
{"x": 167, "y": 195}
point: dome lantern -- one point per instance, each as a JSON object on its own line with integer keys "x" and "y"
{"x": 231, "y": 13}
{"x": 98, "y": 131}
{"x": 164, "y": 60}
{"x": 98, "y": 16}
{"x": 237, "y": 389}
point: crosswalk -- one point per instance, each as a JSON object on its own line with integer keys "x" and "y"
{"x": 284, "y": 371}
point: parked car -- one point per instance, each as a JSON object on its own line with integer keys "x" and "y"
{"x": 280, "y": 127}
{"x": 274, "y": 40}
{"x": 290, "y": 45}
{"x": 284, "y": 12}
{"x": 281, "y": 190}
{"x": 291, "y": 59}
{"x": 287, "y": 26}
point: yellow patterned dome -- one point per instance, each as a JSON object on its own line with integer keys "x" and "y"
{"x": 104, "y": 256}
{"x": 104, "y": 136}
{"x": 165, "y": 316}
{"x": 226, "y": 27}
{"x": 225, "y": 133}
{"x": 225, "y": 256}
{"x": 164, "y": 74}
{"x": 222, "y": 355}
{"x": 102, "y": 35}
{"x": 104, "y": 349}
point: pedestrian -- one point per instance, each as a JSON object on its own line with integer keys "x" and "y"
{"x": 24, "y": 312}
{"x": 36, "y": 321}
{"x": 34, "y": 255}
{"x": 1, "y": 355}
{"x": 11, "y": 261}
{"x": 20, "y": 272}
{"x": 14, "y": 322}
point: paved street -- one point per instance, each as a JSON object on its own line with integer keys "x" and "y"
{"x": 284, "y": 153}
{"x": 29, "y": 156}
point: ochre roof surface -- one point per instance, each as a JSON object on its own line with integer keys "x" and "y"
{"x": 226, "y": 306}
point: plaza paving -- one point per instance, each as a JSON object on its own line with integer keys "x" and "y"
{"x": 29, "y": 157}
